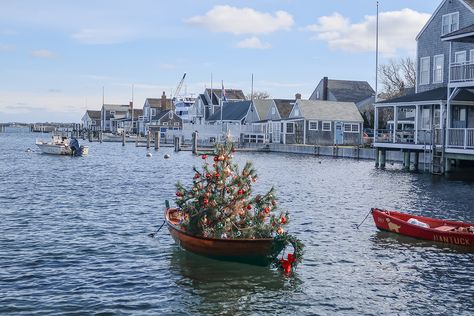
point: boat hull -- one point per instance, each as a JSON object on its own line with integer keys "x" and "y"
{"x": 54, "y": 149}
{"x": 254, "y": 251}
{"x": 439, "y": 230}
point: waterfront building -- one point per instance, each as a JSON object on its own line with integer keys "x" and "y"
{"x": 209, "y": 102}
{"x": 153, "y": 108}
{"x": 359, "y": 92}
{"x": 439, "y": 118}
{"x": 323, "y": 123}
{"x": 91, "y": 120}
{"x": 111, "y": 115}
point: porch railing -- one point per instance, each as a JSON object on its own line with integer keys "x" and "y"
{"x": 461, "y": 138}
{"x": 462, "y": 72}
{"x": 423, "y": 137}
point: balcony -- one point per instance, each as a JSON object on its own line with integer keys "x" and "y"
{"x": 462, "y": 73}
{"x": 462, "y": 138}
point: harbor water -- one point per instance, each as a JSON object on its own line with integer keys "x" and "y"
{"x": 74, "y": 238}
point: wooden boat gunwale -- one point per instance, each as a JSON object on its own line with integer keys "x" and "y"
{"x": 440, "y": 230}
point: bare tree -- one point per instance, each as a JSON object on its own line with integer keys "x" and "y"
{"x": 258, "y": 95}
{"x": 396, "y": 76}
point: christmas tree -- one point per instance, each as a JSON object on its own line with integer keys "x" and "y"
{"x": 220, "y": 204}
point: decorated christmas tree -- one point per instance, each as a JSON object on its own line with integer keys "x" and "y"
{"x": 220, "y": 204}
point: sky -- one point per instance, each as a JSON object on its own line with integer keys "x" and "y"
{"x": 59, "y": 58}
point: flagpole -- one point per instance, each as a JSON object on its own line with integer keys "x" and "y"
{"x": 211, "y": 108}
{"x": 251, "y": 91}
{"x": 222, "y": 104}
{"x": 376, "y": 52}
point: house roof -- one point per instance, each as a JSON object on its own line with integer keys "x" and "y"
{"x": 465, "y": 34}
{"x": 232, "y": 111}
{"x": 137, "y": 112}
{"x": 203, "y": 99}
{"x": 435, "y": 95}
{"x": 329, "y": 110}
{"x": 230, "y": 94}
{"x": 469, "y": 4}
{"x": 154, "y": 102}
{"x": 350, "y": 90}
{"x": 116, "y": 107}
{"x": 163, "y": 113}
{"x": 262, "y": 106}
{"x": 93, "y": 114}
{"x": 284, "y": 107}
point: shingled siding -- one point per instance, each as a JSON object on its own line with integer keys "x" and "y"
{"x": 429, "y": 43}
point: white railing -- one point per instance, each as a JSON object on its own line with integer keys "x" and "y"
{"x": 462, "y": 72}
{"x": 461, "y": 138}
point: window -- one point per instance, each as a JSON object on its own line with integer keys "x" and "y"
{"x": 313, "y": 125}
{"x": 460, "y": 57}
{"x": 153, "y": 112}
{"x": 165, "y": 123}
{"x": 471, "y": 55}
{"x": 317, "y": 94}
{"x": 170, "y": 115}
{"x": 176, "y": 124}
{"x": 273, "y": 111}
{"x": 290, "y": 128}
{"x": 426, "y": 118}
{"x": 450, "y": 23}
{"x": 438, "y": 63}
{"x": 424, "y": 70}
{"x": 326, "y": 126}
{"x": 351, "y": 128}
{"x": 297, "y": 112}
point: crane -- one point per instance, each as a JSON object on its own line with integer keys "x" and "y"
{"x": 178, "y": 88}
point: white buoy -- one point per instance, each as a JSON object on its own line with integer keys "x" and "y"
{"x": 28, "y": 150}
{"x": 148, "y": 154}
{"x": 166, "y": 156}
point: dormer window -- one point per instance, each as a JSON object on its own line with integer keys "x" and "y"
{"x": 450, "y": 23}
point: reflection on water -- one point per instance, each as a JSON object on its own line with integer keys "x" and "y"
{"x": 74, "y": 238}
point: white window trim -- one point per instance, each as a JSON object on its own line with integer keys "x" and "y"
{"x": 434, "y": 68}
{"x": 354, "y": 128}
{"x": 427, "y": 81}
{"x": 165, "y": 123}
{"x": 325, "y": 129}
{"x": 450, "y": 17}
{"x": 471, "y": 55}
{"x": 313, "y": 129}
{"x": 170, "y": 115}
{"x": 286, "y": 127}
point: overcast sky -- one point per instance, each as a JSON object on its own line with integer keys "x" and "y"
{"x": 56, "y": 56}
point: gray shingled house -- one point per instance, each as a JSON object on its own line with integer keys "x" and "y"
{"x": 439, "y": 118}
{"x": 323, "y": 123}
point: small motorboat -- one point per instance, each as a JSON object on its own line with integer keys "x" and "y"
{"x": 254, "y": 251}
{"x": 449, "y": 232}
{"x": 62, "y": 145}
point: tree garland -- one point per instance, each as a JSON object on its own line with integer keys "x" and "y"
{"x": 219, "y": 204}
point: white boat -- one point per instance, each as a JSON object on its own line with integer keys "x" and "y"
{"x": 61, "y": 145}
{"x": 182, "y": 106}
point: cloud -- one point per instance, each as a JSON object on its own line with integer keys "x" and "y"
{"x": 6, "y": 48}
{"x": 253, "y": 42}
{"x": 104, "y": 36}
{"x": 43, "y": 53}
{"x": 397, "y": 31}
{"x": 227, "y": 19}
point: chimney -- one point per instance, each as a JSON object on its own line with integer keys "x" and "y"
{"x": 325, "y": 88}
{"x": 298, "y": 96}
{"x": 164, "y": 105}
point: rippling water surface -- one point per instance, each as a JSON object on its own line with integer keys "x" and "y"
{"x": 74, "y": 238}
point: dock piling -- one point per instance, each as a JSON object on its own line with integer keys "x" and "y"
{"x": 195, "y": 143}
{"x": 157, "y": 140}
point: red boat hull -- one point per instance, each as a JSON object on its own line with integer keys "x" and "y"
{"x": 448, "y": 232}
{"x": 256, "y": 251}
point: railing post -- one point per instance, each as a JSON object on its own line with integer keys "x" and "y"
{"x": 465, "y": 138}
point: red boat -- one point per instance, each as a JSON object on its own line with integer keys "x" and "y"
{"x": 449, "y": 232}
{"x": 256, "y": 251}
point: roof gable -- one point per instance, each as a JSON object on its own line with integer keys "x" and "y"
{"x": 153, "y": 102}
{"x": 284, "y": 107}
{"x": 350, "y": 90}
{"x": 93, "y": 114}
{"x": 262, "y": 107}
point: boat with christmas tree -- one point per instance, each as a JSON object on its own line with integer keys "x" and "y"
{"x": 218, "y": 216}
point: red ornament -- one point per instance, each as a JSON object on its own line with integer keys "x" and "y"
{"x": 179, "y": 193}
{"x": 206, "y": 201}
{"x": 266, "y": 210}
{"x": 240, "y": 192}
{"x": 196, "y": 176}
{"x": 283, "y": 219}
{"x": 204, "y": 156}
{"x": 217, "y": 175}
{"x": 249, "y": 207}
{"x": 208, "y": 175}
{"x": 215, "y": 158}
{"x": 286, "y": 265}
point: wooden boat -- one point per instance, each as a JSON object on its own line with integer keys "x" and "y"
{"x": 456, "y": 233}
{"x": 255, "y": 251}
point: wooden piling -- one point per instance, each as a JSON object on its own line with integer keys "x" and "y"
{"x": 148, "y": 136}
{"x": 195, "y": 143}
{"x": 157, "y": 140}
{"x": 100, "y": 137}
{"x": 177, "y": 143}
{"x": 383, "y": 158}
{"x": 377, "y": 158}
{"x": 416, "y": 160}
{"x": 123, "y": 138}
{"x": 406, "y": 160}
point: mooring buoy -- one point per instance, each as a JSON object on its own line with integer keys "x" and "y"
{"x": 166, "y": 156}
{"x": 148, "y": 154}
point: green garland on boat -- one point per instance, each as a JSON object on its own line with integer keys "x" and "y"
{"x": 220, "y": 204}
